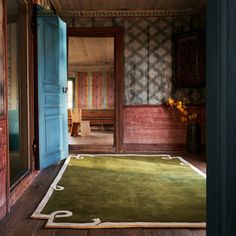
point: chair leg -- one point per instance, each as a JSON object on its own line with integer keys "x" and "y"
{"x": 74, "y": 129}
{"x": 71, "y": 130}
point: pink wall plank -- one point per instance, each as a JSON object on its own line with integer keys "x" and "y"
{"x": 3, "y": 167}
{"x": 100, "y": 95}
{"x": 157, "y": 125}
{"x": 110, "y": 90}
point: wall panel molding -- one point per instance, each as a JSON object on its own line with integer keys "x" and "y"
{"x": 129, "y": 13}
{"x": 84, "y": 67}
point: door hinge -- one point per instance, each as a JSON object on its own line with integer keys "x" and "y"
{"x": 34, "y": 148}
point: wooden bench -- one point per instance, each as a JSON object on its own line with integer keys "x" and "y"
{"x": 99, "y": 117}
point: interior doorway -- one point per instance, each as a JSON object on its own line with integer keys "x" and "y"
{"x": 91, "y": 90}
{"x": 18, "y": 93}
{"x": 93, "y": 103}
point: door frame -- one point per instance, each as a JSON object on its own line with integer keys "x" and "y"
{"x": 24, "y": 81}
{"x": 118, "y": 34}
{"x": 16, "y": 190}
{"x": 221, "y": 126}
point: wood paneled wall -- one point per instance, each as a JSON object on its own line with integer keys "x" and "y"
{"x": 3, "y": 118}
{"x": 156, "y": 128}
{"x": 3, "y": 167}
{"x": 95, "y": 90}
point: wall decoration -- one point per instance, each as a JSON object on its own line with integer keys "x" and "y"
{"x": 190, "y": 59}
{"x": 85, "y": 67}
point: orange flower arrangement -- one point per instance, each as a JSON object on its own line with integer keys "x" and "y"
{"x": 186, "y": 117}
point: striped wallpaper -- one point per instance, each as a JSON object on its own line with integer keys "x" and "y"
{"x": 94, "y": 90}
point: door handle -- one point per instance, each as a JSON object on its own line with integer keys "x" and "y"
{"x": 64, "y": 89}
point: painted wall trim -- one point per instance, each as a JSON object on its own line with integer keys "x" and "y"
{"x": 129, "y": 13}
{"x": 84, "y": 67}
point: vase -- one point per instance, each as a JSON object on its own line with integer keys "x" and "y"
{"x": 193, "y": 138}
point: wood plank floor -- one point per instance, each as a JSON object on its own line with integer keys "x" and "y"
{"x": 18, "y": 221}
{"x": 97, "y": 137}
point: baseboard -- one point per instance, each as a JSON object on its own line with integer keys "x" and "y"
{"x": 132, "y": 148}
{"x": 3, "y": 211}
{"x": 91, "y": 149}
{"x": 22, "y": 186}
{"x": 157, "y": 148}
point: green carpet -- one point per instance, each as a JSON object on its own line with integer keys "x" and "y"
{"x": 126, "y": 189}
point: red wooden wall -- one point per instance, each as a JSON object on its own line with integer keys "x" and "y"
{"x": 3, "y": 119}
{"x": 3, "y": 166}
{"x": 157, "y": 128}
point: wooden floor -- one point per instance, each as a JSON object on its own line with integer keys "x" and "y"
{"x": 18, "y": 221}
{"x": 100, "y": 141}
{"x": 96, "y": 138}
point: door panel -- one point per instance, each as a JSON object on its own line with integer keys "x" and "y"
{"x": 52, "y": 78}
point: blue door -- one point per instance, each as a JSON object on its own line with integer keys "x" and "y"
{"x": 52, "y": 88}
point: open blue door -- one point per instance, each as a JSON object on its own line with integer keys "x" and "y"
{"x": 52, "y": 90}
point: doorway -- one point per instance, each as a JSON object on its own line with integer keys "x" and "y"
{"x": 91, "y": 89}
{"x": 18, "y": 90}
{"x": 93, "y": 85}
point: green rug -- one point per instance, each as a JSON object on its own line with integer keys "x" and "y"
{"x": 114, "y": 191}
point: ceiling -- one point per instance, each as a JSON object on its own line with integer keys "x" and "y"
{"x": 91, "y": 50}
{"x": 83, "y": 5}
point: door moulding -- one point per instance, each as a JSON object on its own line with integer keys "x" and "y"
{"x": 118, "y": 34}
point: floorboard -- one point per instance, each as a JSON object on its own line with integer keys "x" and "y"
{"x": 18, "y": 221}
{"x": 96, "y": 138}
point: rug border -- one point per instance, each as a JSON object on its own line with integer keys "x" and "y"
{"x": 97, "y": 224}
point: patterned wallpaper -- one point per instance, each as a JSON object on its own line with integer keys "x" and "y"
{"x": 148, "y": 56}
{"x": 94, "y": 90}
{"x": 148, "y": 60}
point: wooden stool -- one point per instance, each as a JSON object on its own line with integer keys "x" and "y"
{"x": 85, "y": 128}
{"x": 76, "y": 115}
